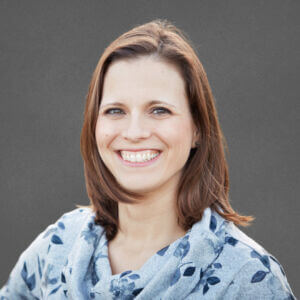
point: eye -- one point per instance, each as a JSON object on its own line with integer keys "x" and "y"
{"x": 164, "y": 110}
{"x": 111, "y": 109}
{"x": 161, "y": 111}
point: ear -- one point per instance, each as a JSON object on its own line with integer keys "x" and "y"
{"x": 196, "y": 137}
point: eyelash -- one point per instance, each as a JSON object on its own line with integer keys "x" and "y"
{"x": 160, "y": 108}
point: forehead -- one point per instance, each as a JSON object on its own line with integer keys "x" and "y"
{"x": 143, "y": 78}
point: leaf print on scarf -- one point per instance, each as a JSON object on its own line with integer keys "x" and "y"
{"x": 94, "y": 275}
{"x": 213, "y": 223}
{"x": 122, "y": 289}
{"x": 30, "y": 281}
{"x": 260, "y": 274}
{"x": 55, "y": 290}
{"x": 221, "y": 232}
{"x": 263, "y": 258}
{"x": 89, "y": 235}
{"x": 162, "y": 251}
{"x": 54, "y": 228}
{"x": 230, "y": 240}
{"x": 217, "y": 265}
{"x": 137, "y": 291}
{"x": 56, "y": 240}
{"x": 189, "y": 271}
{"x": 39, "y": 266}
{"x": 63, "y": 278}
{"x": 61, "y": 225}
{"x": 216, "y": 247}
{"x": 134, "y": 276}
{"x": 211, "y": 281}
{"x": 125, "y": 273}
{"x": 206, "y": 279}
{"x": 50, "y": 281}
{"x": 183, "y": 247}
{"x": 176, "y": 277}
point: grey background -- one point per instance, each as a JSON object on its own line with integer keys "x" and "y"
{"x": 49, "y": 50}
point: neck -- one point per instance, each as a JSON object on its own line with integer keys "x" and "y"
{"x": 150, "y": 224}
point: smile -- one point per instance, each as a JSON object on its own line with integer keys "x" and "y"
{"x": 142, "y": 159}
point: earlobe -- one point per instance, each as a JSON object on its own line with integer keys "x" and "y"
{"x": 196, "y": 142}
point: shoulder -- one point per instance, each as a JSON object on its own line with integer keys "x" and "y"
{"x": 239, "y": 248}
{"x": 239, "y": 243}
{"x": 58, "y": 238}
{"x": 241, "y": 268}
{"x": 61, "y": 232}
{"x": 254, "y": 270}
{"x": 257, "y": 277}
{"x": 69, "y": 224}
{"x": 46, "y": 255}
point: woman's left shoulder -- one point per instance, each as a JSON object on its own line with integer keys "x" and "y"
{"x": 255, "y": 271}
{"x": 249, "y": 249}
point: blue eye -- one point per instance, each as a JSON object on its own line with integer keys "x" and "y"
{"x": 111, "y": 109}
{"x": 161, "y": 109}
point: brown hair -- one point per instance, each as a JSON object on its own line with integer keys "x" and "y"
{"x": 204, "y": 181}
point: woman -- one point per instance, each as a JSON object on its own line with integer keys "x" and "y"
{"x": 160, "y": 225}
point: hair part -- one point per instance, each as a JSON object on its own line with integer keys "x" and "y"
{"x": 205, "y": 179}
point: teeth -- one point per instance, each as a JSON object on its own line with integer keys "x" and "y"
{"x": 140, "y": 156}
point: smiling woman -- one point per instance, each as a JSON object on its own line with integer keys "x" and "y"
{"x": 160, "y": 225}
{"x": 137, "y": 127}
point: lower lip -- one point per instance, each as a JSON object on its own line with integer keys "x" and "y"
{"x": 139, "y": 164}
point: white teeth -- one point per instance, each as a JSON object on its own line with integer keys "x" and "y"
{"x": 140, "y": 156}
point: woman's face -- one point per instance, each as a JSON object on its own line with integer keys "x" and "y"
{"x": 138, "y": 123}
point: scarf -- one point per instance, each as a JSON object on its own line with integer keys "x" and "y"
{"x": 213, "y": 260}
{"x": 172, "y": 273}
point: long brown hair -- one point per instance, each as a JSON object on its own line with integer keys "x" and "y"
{"x": 204, "y": 181}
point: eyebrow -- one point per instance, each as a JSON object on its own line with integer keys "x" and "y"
{"x": 152, "y": 102}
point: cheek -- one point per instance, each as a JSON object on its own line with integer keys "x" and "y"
{"x": 179, "y": 139}
{"x": 103, "y": 133}
{"x": 177, "y": 132}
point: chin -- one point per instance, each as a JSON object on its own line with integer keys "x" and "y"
{"x": 139, "y": 188}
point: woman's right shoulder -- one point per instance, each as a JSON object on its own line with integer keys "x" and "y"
{"x": 49, "y": 248}
{"x": 70, "y": 222}
{"x": 59, "y": 236}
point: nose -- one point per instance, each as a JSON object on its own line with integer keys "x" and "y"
{"x": 135, "y": 129}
